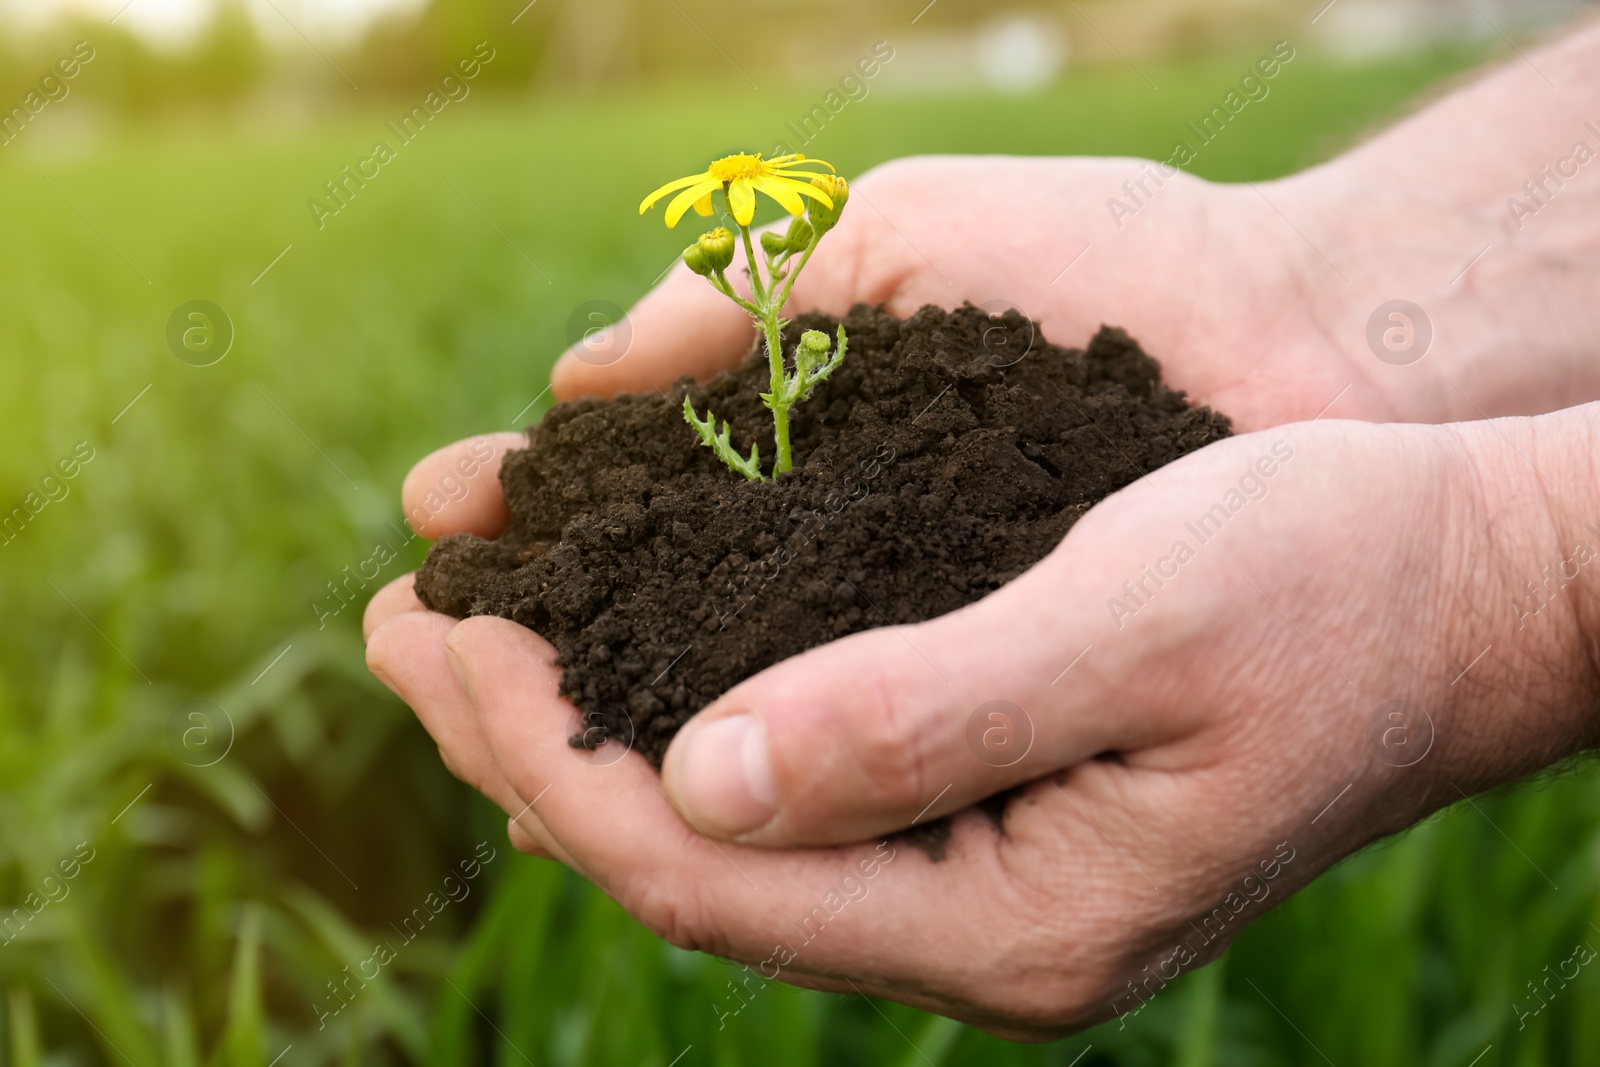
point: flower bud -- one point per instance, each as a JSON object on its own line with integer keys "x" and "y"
{"x": 814, "y": 344}
{"x": 799, "y": 235}
{"x": 718, "y": 247}
{"x": 711, "y": 253}
{"x": 696, "y": 260}
{"x": 823, "y": 218}
{"x": 774, "y": 244}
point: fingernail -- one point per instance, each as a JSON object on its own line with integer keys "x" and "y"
{"x": 725, "y": 784}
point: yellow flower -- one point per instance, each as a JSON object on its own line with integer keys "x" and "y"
{"x": 742, "y": 176}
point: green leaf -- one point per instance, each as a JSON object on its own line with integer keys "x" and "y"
{"x": 243, "y": 1041}
{"x": 24, "y": 1026}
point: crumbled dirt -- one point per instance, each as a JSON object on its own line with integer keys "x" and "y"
{"x": 949, "y": 453}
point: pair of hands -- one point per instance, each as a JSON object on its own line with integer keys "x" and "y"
{"x": 1230, "y": 729}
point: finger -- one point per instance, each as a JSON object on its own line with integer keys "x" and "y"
{"x": 905, "y": 723}
{"x": 457, "y": 488}
{"x": 525, "y": 842}
{"x": 874, "y": 918}
{"x": 613, "y": 819}
{"x": 683, "y": 326}
{"x": 407, "y": 655}
{"x": 396, "y": 598}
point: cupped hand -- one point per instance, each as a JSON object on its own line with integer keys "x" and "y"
{"x": 1202, "y": 682}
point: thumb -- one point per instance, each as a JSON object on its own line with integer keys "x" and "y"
{"x": 901, "y": 724}
{"x": 683, "y": 326}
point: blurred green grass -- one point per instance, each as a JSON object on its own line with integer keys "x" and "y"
{"x": 189, "y": 551}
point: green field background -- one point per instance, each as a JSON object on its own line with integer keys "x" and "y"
{"x": 187, "y": 555}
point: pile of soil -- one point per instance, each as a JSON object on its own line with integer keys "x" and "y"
{"x": 950, "y": 452}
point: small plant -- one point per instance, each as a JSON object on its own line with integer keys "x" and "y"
{"x": 784, "y": 178}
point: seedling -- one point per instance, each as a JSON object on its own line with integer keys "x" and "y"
{"x": 787, "y": 180}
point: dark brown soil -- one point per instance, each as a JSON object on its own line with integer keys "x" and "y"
{"x": 948, "y": 454}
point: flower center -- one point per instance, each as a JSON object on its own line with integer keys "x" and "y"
{"x": 732, "y": 168}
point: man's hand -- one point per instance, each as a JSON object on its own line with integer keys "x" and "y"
{"x": 1250, "y": 342}
{"x": 1306, "y": 679}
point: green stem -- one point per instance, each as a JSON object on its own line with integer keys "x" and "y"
{"x": 780, "y": 401}
{"x": 783, "y": 297}
{"x": 757, "y": 287}
{"x": 719, "y": 282}
{"x": 769, "y": 295}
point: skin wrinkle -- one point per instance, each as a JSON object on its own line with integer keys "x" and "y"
{"x": 1586, "y": 627}
{"x": 902, "y": 725}
{"x": 1544, "y": 540}
{"x": 1030, "y": 968}
{"x": 1589, "y": 624}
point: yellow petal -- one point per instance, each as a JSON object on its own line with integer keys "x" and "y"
{"x": 703, "y": 205}
{"x": 789, "y": 166}
{"x": 783, "y": 192}
{"x": 807, "y": 189}
{"x": 742, "y": 200}
{"x": 650, "y": 201}
{"x": 681, "y": 202}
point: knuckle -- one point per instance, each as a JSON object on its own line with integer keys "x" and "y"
{"x": 885, "y": 747}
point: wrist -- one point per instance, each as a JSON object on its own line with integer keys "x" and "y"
{"x": 1484, "y": 211}
{"x": 1526, "y": 622}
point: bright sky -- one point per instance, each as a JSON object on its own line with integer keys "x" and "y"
{"x": 174, "y": 22}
